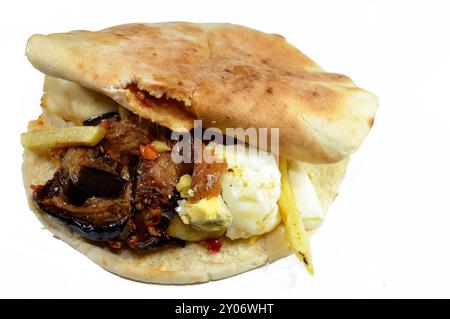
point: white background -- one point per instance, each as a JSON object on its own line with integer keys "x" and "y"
{"x": 387, "y": 234}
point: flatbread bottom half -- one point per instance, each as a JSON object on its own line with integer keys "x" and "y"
{"x": 193, "y": 263}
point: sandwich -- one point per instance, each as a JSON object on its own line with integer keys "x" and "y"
{"x": 180, "y": 153}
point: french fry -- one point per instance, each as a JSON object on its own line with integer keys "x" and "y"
{"x": 62, "y": 137}
{"x": 292, "y": 219}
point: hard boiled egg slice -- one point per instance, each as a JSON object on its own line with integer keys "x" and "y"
{"x": 250, "y": 189}
{"x": 208, "y": 214}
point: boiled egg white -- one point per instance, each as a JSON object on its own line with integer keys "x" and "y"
{"x": 251, "y": 188}
{"x": 305, "y": 196}
{"x": 74, "y": 102}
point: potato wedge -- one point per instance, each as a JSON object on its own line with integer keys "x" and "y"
{"x": 62, "y": 137}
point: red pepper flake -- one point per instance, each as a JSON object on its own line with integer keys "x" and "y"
{"x": 214, "y": 245}
{"x": 148, "y": 152}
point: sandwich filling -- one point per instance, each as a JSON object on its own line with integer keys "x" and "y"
{"x": 118, "y": 185}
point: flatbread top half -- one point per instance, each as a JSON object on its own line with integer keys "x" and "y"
{"x": 226, "y": 75}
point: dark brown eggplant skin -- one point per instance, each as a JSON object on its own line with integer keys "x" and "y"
{"x": 99, "y": 233}
{"x": 100, "y": 183}
{"x": 96, "y": 120}
{"x": 51, "y": 199}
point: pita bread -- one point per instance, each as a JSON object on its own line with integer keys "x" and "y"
{"x": 223, "y": 74}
